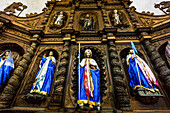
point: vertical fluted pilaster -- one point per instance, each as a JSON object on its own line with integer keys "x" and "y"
{"x": 10, "y": 90}
{"x": 121, "y": 95}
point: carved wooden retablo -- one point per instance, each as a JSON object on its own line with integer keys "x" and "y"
{"x": 44, "y": 82}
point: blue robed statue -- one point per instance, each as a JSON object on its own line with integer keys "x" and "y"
{"x": 89, "y": 84}
{"x": 45, "y": 75}
{"x": 141, "y": 76}
{"x": 6, "y": 65}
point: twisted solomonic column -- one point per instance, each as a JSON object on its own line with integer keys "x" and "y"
{"x": 121, "y": 95}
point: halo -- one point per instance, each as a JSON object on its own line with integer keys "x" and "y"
{"x": 86, "y": 51}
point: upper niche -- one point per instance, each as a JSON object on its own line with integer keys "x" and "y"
{"x": 59, "y": 20}
{"x": 118, "y": 19}
{"x": 88, "y": 22}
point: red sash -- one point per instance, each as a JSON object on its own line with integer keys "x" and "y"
{"x": 86, "y": 80}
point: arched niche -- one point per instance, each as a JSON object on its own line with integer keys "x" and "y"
{"x": 93, "y": 18}
{"x": 123, "y": 55}
{"x": 99, "y": 58}
{"x": 161, "y": 51}
{"x": 53, "y": 24}
{"x": 17, "y": 53}
{"x": 145, "y": 100}
{"x": 123, "y": 21}
{"x": 30, "y": 79}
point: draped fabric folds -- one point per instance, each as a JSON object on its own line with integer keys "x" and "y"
{"x": 44, "y": 77}
{"x": 167, "y": 52}
{"x": 140, "y": 74}
{"x": 6, "y": 65}
{"x": 89, "y": 83}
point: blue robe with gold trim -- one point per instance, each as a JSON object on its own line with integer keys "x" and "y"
{"x": 140, "y": 69}
{"x": 4, "y": 72}
{"x": 44, "y": 81}
{"x": 94, "y": 98}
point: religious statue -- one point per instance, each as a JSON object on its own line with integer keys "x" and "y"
{"x": 167, "y": 52}
{"x": 45, "y": 75}
{"x": 141, "y": 76}
{"x": 59, "y": 19}
{"x": 87, "y": 22}
{"x": 118, "y": 20}
{"x": 6, "y": 65}
{"x": 89, "y": 82}
{"x": 116, "y": 17}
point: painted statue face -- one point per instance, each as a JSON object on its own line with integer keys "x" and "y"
{"x": 88, "y": 52}
{"x": 115, "y": 11}
{"x": 7, "y": 53}
{"x": 51, "y": 53}
{"x": 131, "y": 51}
{"x": 87, "y": 16}
{"x": 61, "y": 12}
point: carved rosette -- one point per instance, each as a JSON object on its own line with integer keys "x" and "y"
{"x": 122, "y": 98}
{"x": 159, "y": 63}
{"x": 10, "y": 90}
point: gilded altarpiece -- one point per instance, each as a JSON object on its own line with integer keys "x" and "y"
{"x": 92, "y": 24}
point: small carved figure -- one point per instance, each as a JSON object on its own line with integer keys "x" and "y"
{"x": 44, "y": 77}
{"x": 59, "y": 19}
{"x": 167, "y": 52}
{"x": 89, "y": 87}
{"x": 118, "y": 20}
{"x": 6, "y": 65}
{"x": 116, "y": 17}
{"x": 87, "y": 22}
{"x": 142, "y": 78}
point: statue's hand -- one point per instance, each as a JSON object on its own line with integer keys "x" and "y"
{"x": 44, "y": 55}
{"x": 93, "y": 67}
{"x": 52, "y": 62}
